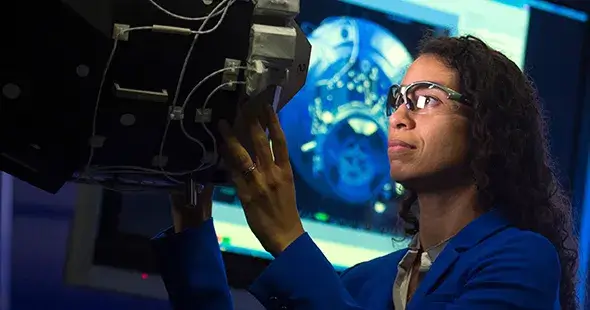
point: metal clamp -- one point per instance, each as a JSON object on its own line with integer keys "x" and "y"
{"x": 231, "y": 74}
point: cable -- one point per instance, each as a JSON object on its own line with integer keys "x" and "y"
{"x": 216, "y": 11}
{"x": 205, "y": 79}
{"x": 101, "y": 85}
{"x": 185, "y": 103}
{"x": 194, "y": 42}
{"x": 213, "y": 92}
{"x": 169, "y": 13}
{"x": 227, "y": 4}
{"x": 137, "y": 169}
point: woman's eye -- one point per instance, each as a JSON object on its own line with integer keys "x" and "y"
{"x": 423, "y": 101}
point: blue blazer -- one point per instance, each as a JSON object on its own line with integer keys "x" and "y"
{"x": 488, "y": 265}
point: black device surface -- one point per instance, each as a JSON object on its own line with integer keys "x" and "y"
{"x": 54, "y": 64}
{"x": 123, "y": 241}
{"x": 110, "y": 245}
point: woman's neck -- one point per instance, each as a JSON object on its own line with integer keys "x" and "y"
{"x": 444, "y": 213}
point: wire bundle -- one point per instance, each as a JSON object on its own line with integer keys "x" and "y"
{"x": 221, "y": 9}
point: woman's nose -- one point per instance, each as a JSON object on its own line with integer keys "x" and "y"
{"x": 400, "y": 119}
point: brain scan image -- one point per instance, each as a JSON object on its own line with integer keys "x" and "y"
{"x": 336, "y": 126}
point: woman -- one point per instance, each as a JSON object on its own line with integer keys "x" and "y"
{"x": 466, "y": 138}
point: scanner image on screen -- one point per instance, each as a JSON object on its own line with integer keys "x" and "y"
{"x": 336, "y": 126}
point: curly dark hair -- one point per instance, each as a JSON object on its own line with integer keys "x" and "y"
{"x": 510, "y": 161}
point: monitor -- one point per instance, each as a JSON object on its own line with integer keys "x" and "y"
{"x": 335, "y": 126}
{"x": 336, "y": 130}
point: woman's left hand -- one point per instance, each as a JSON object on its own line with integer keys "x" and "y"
{"x": 265, "y": 184}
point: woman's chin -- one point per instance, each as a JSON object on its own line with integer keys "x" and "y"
{"x": 398, "y": 175}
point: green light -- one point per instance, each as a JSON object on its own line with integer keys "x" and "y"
{"x": 228, "y": 191}
{"x": 399, "y": 189}
{"x": 322, "y": 217}
{"x": 225, "y": 240}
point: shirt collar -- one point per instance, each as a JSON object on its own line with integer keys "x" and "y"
{"x": 413, "y": 249}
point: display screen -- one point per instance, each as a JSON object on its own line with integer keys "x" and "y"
{"x": 336, "y": 126}
{"x": 336, "y": 129}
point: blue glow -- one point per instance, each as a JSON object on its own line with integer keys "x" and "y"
{"x": 558, "y": 10}
{"x": 548, "y": 7}
{"x": 419, "y": 13}
{"x": 584, "y": 238}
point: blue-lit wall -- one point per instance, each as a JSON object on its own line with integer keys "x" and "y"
{"x": 582, "y": 176}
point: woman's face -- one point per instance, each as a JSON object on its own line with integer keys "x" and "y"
{"x": 429, "y": 144}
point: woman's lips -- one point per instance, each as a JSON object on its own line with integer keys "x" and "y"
{"x": 399, "y": 144}
{"x": 395, "y": 146}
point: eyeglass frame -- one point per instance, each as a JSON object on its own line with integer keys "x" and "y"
{"x": 403, "y": 89}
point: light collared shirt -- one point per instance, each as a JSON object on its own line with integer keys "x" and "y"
{"x": 404, "y": 270}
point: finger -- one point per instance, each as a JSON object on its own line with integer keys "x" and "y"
{"x": 260, "y": 143}
{"x": 242, "y": 188}
{"x": 277, "y": 136}
{"x": 263, "y": 116}
{"x": 233, "y": 152}
{"x": 247, "y": 188}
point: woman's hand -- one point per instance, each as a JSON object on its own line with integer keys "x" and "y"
{"x": 185, "y": 216}
{"x": 265, "y": 185}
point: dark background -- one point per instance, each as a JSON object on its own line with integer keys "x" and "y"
{"x": 41, "y": 221}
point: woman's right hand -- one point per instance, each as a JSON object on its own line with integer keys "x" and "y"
{"x": 185, "y": 216}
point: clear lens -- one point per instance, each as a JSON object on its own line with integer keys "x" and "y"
{"x": 417, "y": 97}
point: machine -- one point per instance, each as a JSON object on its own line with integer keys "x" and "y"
{"x": 128, "y": 93}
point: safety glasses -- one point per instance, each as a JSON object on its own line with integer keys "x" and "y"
{"x": 418, "y": 96}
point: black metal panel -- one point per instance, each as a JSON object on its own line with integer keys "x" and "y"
{"x": 44, "y": 132}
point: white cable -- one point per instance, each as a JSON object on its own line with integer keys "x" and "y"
{"x": 101, "y": 85}
{"x": 137, "y": 169}
{"x": 189, "y": 96}
{"x": 169, "y": 13}
{"x": 201, "y": 30}
{"x": 205, "y": 79}
{"x": 213, "y": 92}
{"x": 134, "y": 169}
{"x": 227, "y": 4}
{"x": 185, "y": 103}
{"x": 194, "y": 42}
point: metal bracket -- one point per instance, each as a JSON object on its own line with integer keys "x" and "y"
{"x": 203, "y": 115}
{"x": 120, "y": 32}
{"x": 232, "y": 74}
{"x": 176, "y": 113}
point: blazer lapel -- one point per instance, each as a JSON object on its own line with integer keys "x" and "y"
{"x": 475, "y": 232}
{"x": 442, "y": 263}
